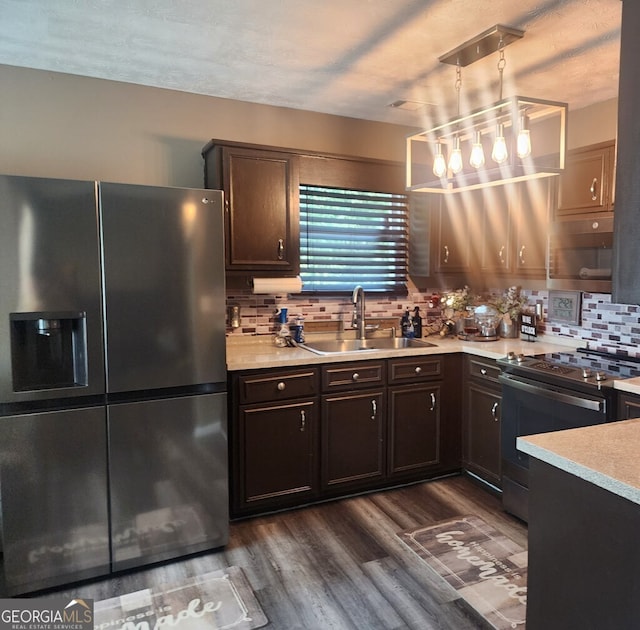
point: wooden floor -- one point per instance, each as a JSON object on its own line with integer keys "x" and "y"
{"x": 340, "y": 564}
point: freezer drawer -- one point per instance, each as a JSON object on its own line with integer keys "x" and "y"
{"x": 53, "y": 474}
{"x": 168, "y": 476}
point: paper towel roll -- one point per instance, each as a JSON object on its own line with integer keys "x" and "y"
{"x": 277, "y": 286}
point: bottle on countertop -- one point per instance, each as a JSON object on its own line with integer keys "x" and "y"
{"x": 297, "y": 331}
{"x": 417, "y": 322}
{"x": 283, "y": 334}
{"x": 406, "y": 324}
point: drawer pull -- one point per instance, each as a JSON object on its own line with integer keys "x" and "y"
{"x": 374, "y": 409}
{"x": 355, "y": 376}
{"x": 433, "y": 401}
{"x": 483, "y": 371}
{"x": 303, "y": 420}
{"x": 494, "y": 412}
{"x": 418, "y": 370}
{"x": 281, "y": 386}
{"x": 280, "y": 249}
{"x": 594, "y": 190}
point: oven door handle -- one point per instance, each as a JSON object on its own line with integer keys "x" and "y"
{"x": 552, "y": 394}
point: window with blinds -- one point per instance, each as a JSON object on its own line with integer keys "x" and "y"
{"x": 351, "y": 237}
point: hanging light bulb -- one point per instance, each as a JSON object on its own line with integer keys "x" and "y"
{"x": 477, "y": 153}
{"x": 523, "y": 143}
{"x": 455, "y": 159}
{"x": 439, "y": 163}
{"x": 499, "y": 153}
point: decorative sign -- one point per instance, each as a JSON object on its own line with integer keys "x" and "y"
{"x": 528, "y": 324}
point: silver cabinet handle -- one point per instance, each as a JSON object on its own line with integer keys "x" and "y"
{"x": 501, "y": 255}
{"x": 374, "y": 409}
{"x": 355, "y": 376}
{"x": 280, "y": 249}
{"x": 494, "y": 412}
{"x": 521, "y": 254}
{"x": 483, "y": 371}
{"x": 303, "y": 420}
{"x": 446, "y": 254}
{"x": 418, "y": 370}
{"x": 593, "y": 189}
{"x": 281, "y": 386}
{"x": 433, "y": 401}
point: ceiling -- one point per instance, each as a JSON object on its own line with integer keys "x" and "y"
{"x": 346, "y": 57}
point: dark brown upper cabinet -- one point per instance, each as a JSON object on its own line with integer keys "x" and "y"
{"x": 261, "y": 207}
{"x": 587, "y": 182}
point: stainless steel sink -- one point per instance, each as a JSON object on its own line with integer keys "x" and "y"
{"x": 337, "y": 346}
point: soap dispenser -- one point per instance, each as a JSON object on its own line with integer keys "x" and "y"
{"x": 406, "y": 324}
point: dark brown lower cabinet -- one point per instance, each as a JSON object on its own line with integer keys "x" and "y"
{"x": 371, "y": 425}
{"x": 279, "y": 452}
{"x": 482, "y": 400}
{"x": 414, "y": 428}
{"x": 353, "y": 439}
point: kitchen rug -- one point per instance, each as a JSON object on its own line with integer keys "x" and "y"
{"x": 487, "y": 569}
{"x": 218, "y": 600}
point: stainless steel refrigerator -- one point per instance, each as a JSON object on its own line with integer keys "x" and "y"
{"x": 112, "y": 377}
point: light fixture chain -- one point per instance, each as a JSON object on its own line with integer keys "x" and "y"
{"x": 458, "y": 83}
{"x": 502, "y": 62}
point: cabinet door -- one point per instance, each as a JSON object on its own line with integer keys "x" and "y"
{"x": 628, "y": 406}
{"x": 451, "y": 248}
{"x": 586, "y": 185}
{"x": 277, "y": 455}
{"x": 495, "y": 246}
{"x": 261, "y": 210}
{"x": 414, "y": 427}
{"x": 482, "y": 435}
{"x": 530, "y": 214}
{"x": 353, "y": 430}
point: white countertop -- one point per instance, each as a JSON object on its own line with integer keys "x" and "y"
{"x": 257, "y": 352}
{"x": 605, "y": 454}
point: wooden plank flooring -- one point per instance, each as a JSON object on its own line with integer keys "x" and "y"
{"x": 340, "y": 565}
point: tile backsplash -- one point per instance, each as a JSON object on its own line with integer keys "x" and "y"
{"x": 606, "y": 326}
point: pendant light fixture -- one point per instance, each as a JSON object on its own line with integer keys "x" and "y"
{"x": 527, "y": 136}
{"x": 439, "y": 163}
{"x": 477, "y": 152}
{"x": 523, "y": 143}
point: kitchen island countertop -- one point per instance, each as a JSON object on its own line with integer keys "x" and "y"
{"x": 605, "y": 455}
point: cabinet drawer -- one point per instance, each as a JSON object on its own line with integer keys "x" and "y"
{"x": 415, "y": 369}
{"x": 274, "y": 385}
{"x": 484, "y": 370}
{"x": 350, "y": 375}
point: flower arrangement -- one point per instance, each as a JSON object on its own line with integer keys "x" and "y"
{"x": 510, "y": 304}
{"x": 457, "y": 300}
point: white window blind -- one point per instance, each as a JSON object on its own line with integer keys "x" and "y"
{"x": 350, "y": 237}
